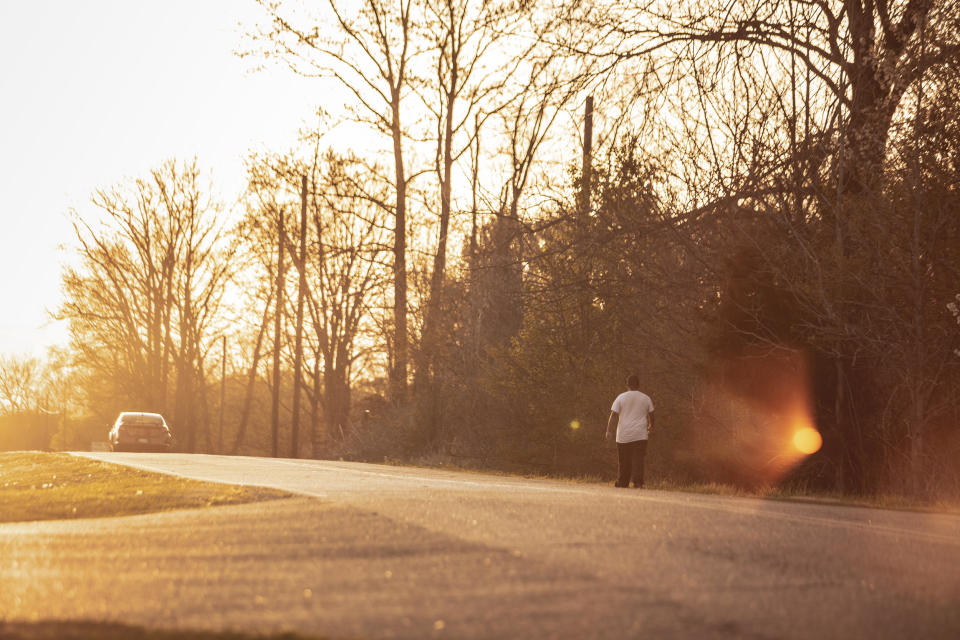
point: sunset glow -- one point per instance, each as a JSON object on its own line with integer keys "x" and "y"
{"x": 103, "y": 95}
{"x": 433, "y": 231}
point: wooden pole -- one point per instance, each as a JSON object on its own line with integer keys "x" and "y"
{"x": 587, "y": 156}
{"x": 223, "y": 390}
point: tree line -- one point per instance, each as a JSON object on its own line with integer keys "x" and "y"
{"x": 762, "y": 219}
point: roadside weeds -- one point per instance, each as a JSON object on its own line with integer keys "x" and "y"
{"x": 890, "y": 502}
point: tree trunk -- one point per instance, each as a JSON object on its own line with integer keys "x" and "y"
{"x": 336, "y": 394}
{"x": 399, "y": 373}
{"x": 277, "y": 340}
{"x": 315, "y": 410}
{"x": 185, "y": 372}
{"x": 429, "y": 360}
{"x": 298, "y": 345}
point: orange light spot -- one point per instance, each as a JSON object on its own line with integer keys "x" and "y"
{"x": 807, "y": 440}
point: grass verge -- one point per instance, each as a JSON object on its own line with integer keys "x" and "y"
{"x": 115, "y": 631}
{"x": 891, "y": 502}
{"x": 56, "y": 486}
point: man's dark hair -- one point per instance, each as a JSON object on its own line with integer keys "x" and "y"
{"x": 633, "y": 381}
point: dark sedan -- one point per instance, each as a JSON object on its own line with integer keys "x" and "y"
{"x": 136, "y": 431}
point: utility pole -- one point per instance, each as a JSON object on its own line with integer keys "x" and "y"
{"x": 223, "y": 390}
{"x": 298, "y": 345}
{"x": 275, "y": 408}
{"x": 586, "y": 173}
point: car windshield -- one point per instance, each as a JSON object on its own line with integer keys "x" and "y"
{"x": 145, "y": 420}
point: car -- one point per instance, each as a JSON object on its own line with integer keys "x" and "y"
{"x": 140, "y": 431}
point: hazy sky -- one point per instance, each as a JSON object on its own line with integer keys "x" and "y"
{"x": 94, "y": 91}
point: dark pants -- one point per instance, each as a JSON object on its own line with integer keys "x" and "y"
{"x": 631, "y": 455}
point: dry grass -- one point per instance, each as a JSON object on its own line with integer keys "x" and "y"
{"x": 883, "y": 501}
{"x": 116, "y": 631}
{"x": 55, "y": 486}
{"x": 787, "y": 494}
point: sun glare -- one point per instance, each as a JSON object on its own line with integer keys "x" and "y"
{"x": 807, "y": 440}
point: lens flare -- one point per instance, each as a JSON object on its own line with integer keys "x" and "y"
{"x": 754, "y": 423}
{"x": 807, "y": 440}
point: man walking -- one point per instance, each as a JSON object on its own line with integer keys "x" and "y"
{"x": 632, "y": 416}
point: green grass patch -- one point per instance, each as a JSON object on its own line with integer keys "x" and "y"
{"x": 56, "y": 486}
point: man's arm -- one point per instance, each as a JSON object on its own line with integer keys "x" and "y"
{"x": 649, "y": 421}
{"x": 612, "y": 423}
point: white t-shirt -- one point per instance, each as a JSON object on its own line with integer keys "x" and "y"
{"x": 632, "y": 407}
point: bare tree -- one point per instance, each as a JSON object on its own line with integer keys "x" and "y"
{"x": 468, "y": 41}
{"x": 863, "y": 54}
{"x": 341, "y": 269}
{"x": 472, "y": 70}
{"x": 19, "y": 380}
{"x": 250, "y": 389}
{"x": 348, "y": 278}
{"x": 365, "y": 48}
{"x": 147, "y": 292}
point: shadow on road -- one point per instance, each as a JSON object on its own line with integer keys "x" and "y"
{"x": 67, "y": 630}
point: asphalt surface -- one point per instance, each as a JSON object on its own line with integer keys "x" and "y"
{"x": 390, "y": 552}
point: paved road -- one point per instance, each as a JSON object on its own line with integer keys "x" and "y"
{"x": 384, "y": 552}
